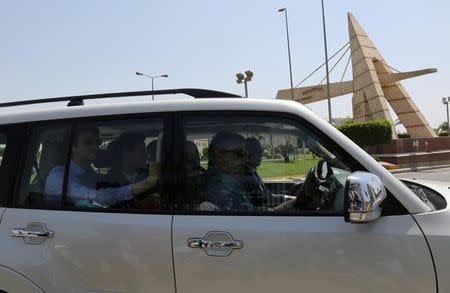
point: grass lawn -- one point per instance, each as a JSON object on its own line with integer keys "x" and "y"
{"x": 278, "y": 168}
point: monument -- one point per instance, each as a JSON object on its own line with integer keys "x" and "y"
{"x": 374, "y": 86}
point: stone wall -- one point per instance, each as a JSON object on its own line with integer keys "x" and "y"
{"x": 412, "y": 152}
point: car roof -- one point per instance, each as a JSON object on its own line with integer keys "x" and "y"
{"x": 30, "y": 113}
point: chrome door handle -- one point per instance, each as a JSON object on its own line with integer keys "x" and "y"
{"x": 203, "y": 243}
{"x": 216, "y": 243}
{"x": 20, "y": 232}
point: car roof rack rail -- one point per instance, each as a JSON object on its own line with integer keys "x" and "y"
{"x": 79, "y": 100}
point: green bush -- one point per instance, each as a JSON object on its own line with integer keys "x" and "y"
{"x": 368, "y": 133}
{"x": 404, "y": 135}
{"x": 443, "y": 134}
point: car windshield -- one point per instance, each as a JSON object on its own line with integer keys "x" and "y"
{"x": 429, "y": 196}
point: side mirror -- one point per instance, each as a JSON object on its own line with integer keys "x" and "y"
{"x": 364, "y": 193}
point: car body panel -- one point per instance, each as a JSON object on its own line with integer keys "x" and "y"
{"x": 311, "y": 254}
{"x": 122, "y": 252}
{"x": 436, "y": 227}
{"x": 12, "y": 281}
{"x": 92, "y": 251}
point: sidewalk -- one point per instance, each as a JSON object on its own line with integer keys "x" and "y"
{"x": 417, "y": 169}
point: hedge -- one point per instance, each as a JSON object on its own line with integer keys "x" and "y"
{"x": 404, "y": 135}
{"x": 368, "y": 133}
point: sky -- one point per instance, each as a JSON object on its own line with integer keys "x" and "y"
{"x": 58, "y": 48}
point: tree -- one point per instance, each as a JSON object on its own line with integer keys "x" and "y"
{"x": 443, "y": 128}
{"x": 285, "y": 150}
{"x": 270, "y": 149}
{"x": 205, "y": 152}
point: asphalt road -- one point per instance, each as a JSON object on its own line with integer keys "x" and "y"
{"x": 436, "y": 175}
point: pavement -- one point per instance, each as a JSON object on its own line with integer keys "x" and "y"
{"x": 436, "y": 174}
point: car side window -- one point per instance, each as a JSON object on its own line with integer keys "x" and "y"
{"x": 106, "y": 165}
{"x": 48, "y": 148}
{"x": 260, "y": 164}
{"x": 114, "y": 165}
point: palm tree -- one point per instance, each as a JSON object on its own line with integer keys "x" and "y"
{"x": 443, "y": 127}
{"x": 285, "y": 150}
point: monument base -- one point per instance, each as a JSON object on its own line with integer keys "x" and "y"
{"x": 414, "y": 152}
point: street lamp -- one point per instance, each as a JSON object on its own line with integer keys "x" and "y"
{"x": 289, "y": 49}
{"x": 152, "y": 77}
{"x": 446, "y": 101}
{"x": 241, "y": 78}
{"x": 330, "y": 119}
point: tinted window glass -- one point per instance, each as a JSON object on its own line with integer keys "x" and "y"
{"x": 113, "y": 165}
{"x": 260, "y": 164}
{"x": 99, "y": 165}
{"x": 47, "y": 149}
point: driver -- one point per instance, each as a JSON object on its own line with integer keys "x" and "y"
{"x": 226, "y": 167}
{"x": 82, "y": 179}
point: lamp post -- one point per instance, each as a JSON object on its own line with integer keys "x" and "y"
{"x": 152, "y": 77}
{"x": 241, "y": 78}
{"x": 330, "y": 119}
{"x": 446, "y": 101}
{"x": 289, "y": 49}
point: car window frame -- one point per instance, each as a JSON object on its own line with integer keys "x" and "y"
{"x": 16, "y": 142}
{"x": 179, "y": 133}
{"x": 167, "y": 181}
{"x": 4, "y": 132}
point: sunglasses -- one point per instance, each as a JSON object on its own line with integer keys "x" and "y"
{"x": 238, "y": 152}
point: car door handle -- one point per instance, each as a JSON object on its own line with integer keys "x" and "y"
{"x": 21, "y": 232}
{"x": 203, "y": 243}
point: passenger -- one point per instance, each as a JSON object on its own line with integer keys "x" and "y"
{"x": 192, "y": 160}
{"x": 82, "y": 179}
{"x": 223, "y": 188}
{"x": 253, "y": 184}
{"x": 194, "y": 175}
{"x": 130, "y": 166}
{"x": 130, "y": 159}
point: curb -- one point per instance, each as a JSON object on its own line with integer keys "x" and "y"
{"x": 417, "y": 169}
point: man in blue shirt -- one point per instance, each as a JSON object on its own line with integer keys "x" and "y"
{"x": 82, "y": 179}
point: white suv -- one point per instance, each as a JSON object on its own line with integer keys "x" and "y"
{"x": 212, "y": 194}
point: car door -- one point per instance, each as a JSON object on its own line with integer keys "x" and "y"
{"x": 67, "y": 244}
{"x": 223, "y": 245}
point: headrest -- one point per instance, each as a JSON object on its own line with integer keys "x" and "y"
{"x": 107, "y": 158}
{"x": 104, "y": 159}
{"x": 191, "y": 152}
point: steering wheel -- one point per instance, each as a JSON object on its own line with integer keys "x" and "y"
{"x": 308, "y": 196}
